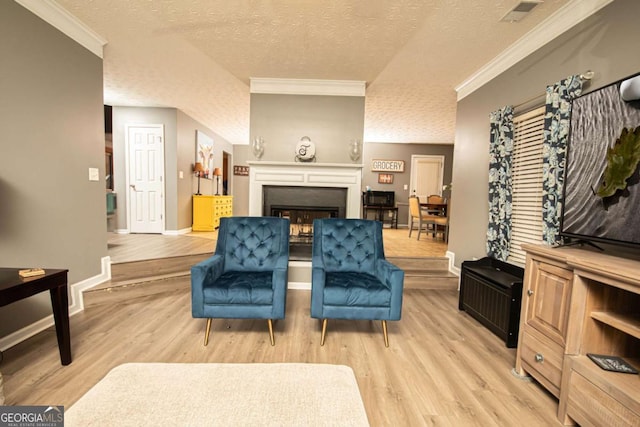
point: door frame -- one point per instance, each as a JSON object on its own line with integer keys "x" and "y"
{"x": 127, "y": 171}
{"x": 415, "y": 158}
{"x": 227, "y": 161}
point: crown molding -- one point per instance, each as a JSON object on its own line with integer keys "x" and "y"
{"x": 307, "y": 87}
{"x": 565, "y": 18}
{"x": 55, "y": 15}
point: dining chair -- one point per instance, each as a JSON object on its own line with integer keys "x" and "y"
{"x": 435, "y": 199}
{"x": 417, "y": 215}
{"x": 439, "y": 221}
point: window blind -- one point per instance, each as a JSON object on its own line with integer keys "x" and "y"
{"x": 526, "y": 173}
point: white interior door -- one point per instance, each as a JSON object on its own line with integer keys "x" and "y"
{"x": 145, "y": 178}
{"x": 426, "y": 175}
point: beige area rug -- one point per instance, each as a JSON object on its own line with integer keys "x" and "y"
{"x": 221, "y": 394}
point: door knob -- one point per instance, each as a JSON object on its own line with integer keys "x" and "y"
{"x": 133, "y": 187}
{"x": 529, "y": 292}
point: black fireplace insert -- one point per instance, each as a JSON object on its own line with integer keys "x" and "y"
{"x": 301, "y": 205}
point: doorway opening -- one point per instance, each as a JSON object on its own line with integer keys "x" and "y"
{"x": 226, "y": 176}
{"x": 427, "y": 175}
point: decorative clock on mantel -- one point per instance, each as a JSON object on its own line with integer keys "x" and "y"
{"x": 305, "y": 150}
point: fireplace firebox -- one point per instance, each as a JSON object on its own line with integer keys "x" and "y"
{"x": 301, "y": 230}
{"x": 301, "y": 205}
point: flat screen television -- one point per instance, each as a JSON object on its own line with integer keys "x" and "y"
{"x": 602, "y": 177}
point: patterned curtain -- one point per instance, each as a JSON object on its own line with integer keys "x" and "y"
{"x": 556, "y": 132}
{"x": 500, "y": 148}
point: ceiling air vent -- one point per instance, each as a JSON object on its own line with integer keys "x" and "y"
{"x": 520, "y": 10}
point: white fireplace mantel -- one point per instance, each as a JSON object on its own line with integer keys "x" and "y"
{"x": 339, "y": 175}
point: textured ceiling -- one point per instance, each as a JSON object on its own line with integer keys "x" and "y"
{"x": 198, "y": 55}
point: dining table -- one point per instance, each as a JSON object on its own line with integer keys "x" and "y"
{"x": 435, "y": 208}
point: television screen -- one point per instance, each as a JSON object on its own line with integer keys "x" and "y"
{"x": 602, "y": 181}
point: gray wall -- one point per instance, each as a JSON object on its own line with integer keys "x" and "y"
{"x": 605, "y": 43}
{"x": 402, "y": 152}
{"x": 51, "y": 117}
{"x": 179, "y": 156}
{"x": 188, "y": 186}
{"x": 330, "y": 121}
{"x": 281, "y": 120}
{"x": 241, "y": 155}
{"x": 371, "y": 150}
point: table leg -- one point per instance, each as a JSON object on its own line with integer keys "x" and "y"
{"x": 60, "y": 304}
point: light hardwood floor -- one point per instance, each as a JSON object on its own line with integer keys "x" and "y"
{"x": 135, "y": 247}
{"x": 442, "y": 367}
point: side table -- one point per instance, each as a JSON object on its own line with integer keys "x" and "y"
{"x": 14, "y": 288}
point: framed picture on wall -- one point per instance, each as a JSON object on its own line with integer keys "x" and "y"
{"x": 241, "y": 170}
{"x": 385, "y": 178}
{"x": 204, "y": 154}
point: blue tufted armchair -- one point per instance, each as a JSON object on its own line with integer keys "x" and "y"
{"x": 246, "y": 278}
{"x": 351, "y": 279}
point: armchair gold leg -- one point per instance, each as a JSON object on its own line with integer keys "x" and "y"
{"x": 324, "y": 331}
{"x": 384, "y": 331}
{"x": 270, "y": 323}
{"x": 206, "y": 334}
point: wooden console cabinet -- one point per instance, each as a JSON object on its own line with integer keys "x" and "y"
{"x": 207, "y": 211}
{"x": 576, "y": 302}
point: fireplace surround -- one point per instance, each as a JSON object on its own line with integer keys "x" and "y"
{"x": 287, "y": 174}
{"x": 303, "y": 192}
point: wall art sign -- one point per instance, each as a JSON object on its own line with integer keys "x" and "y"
{"x": 241, "y": 170}
{"x": 385, "y": 178}
{"x": 387, "y": 165}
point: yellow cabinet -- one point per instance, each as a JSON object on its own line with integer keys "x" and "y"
{"x": 207, "y": 211}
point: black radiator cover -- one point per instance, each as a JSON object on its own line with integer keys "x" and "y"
{"x": 491, "y": 292}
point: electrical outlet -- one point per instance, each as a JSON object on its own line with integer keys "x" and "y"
{"x": 181, "y": 175}
{"x": 406, "y": 186}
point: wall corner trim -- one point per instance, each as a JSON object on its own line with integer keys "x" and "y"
{"x": 55, "y": 15}
{"x": 452, "y": 268}
{"x": 452, "y": 259}
{"x": 562, "y": 20}
{"x": 307, "y": 87}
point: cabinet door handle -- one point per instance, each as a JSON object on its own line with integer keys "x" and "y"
{"x": 529, "y": 292}
{"x": 539, "y": 358}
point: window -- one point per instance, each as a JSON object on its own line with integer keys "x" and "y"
{"x": 526, "y": 173}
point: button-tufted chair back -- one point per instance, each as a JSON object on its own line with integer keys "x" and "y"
{"x": 348, "y": 245}
{"x": 251, "y": 243}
